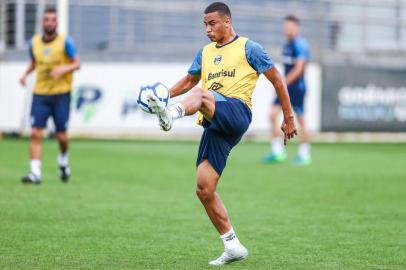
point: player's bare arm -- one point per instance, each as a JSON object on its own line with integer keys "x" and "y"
{"x": 184, "y": 85}
{"x": 59, "y": 71}
{"x": 30, "y": 68}
{"x": 288, "y": 125}
{"x": 296, "y": 72}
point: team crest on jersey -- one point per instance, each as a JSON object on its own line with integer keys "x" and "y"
{"x": 47, "y": 51}
{"x": 217, "y": 59}
{"x": 215, "y": 86}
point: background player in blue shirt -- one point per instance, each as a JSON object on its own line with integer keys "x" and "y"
{"x": 295, "y": 56}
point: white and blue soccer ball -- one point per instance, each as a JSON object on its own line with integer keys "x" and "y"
{"x": 158, "y": 89}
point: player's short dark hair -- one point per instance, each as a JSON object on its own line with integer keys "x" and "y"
{"x": 219, "y": 7}
{"x": 292, "y": 18}
{"x": 50, "y": 10}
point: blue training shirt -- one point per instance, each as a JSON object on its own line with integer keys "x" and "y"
{"x": 70, "y": 48}
{"x": 293, "y": 51}
{"x": 256, "y": 55}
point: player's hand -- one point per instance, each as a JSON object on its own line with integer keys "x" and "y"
{"x": 289, "y": 128}
{"x": 23, "y": 80}
{"x": 57, "y": 72}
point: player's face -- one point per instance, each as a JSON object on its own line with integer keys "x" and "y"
{"x": 216, "y": 25}
{"x": 49, "y": 23}
{"x": 290, "y": 29}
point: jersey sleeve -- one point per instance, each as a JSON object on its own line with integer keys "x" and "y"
{"x": 70, "y": 48}
{"x": 30, "y": 52}
{"x": 196, "y": 67}
{"x": 302, "y": 50}
{"x": 257, "y": 57}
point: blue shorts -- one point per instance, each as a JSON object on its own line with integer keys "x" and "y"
{"x": 57, "y": 106}
{"x": 231, "y": 119}
{"x": 297, "y": 100}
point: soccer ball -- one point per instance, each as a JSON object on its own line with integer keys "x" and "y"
{"x": 158, "y": 89}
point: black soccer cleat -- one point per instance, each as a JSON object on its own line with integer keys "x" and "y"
{"x": 31, "y": 178}
{"x": 64, "y": 173}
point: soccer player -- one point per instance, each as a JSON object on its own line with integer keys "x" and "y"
{"x": 295, "y": 57}
{"x": 54, "y": 58}
{"x": 229, "y": 68}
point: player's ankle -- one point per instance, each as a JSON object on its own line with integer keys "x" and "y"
{"x": 230, "y": 239}
{"x": 177, "y": 111}
{"x": 35, "y": 167}
{"x": 304, "y": 150}
{"x": 277, "y": 146}
{"x": 63, "y": 159}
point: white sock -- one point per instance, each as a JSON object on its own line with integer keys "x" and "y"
{"x": 177, "y": 111}
{"x": 277, "y": 146}
{"x": 230, "y": 239}
{"x": 304, "y": 150}
{"x": 63, "y": 159}
{"x": 35, "y": 167}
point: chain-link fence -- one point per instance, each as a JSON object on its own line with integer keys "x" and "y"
{"x": 160, "y": 30}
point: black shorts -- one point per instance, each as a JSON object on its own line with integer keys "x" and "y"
{"x": 231, "y": 120}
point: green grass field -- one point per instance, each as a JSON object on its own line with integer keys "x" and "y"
{"x": 132, "y": 205}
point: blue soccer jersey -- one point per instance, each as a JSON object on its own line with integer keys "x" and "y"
{"x": 292, "y": 52}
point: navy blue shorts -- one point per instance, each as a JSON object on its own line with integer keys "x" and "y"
{"x": 44, "y": 106}
{"x": 230, "y": 121}
{"x": 297, "y": 100}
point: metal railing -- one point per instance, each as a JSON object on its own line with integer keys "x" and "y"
{"x": 160, "y": 30}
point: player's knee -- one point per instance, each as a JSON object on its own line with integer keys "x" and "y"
{"x": 36, "y": 135}
{"x": 207, "y": 99}
{"x": 197, "y": 92}
{"x": 301, "y": 121}
{"x": 61, "y": 136}
{"x": 207, "y": 96}
{"x": 274, "y": 117}
{"x": 63, "y": 141}
{"x": 204, "y": 193}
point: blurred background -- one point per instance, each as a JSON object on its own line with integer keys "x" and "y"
{"x": 356, "y": 78}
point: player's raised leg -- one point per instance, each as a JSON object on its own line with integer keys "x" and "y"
{"x": 277, "y": 153}
{"x": 197, "y": 100}
{"x": 207, "y": 179}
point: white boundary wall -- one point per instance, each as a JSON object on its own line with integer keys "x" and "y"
{"x": 119, "y": 84}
